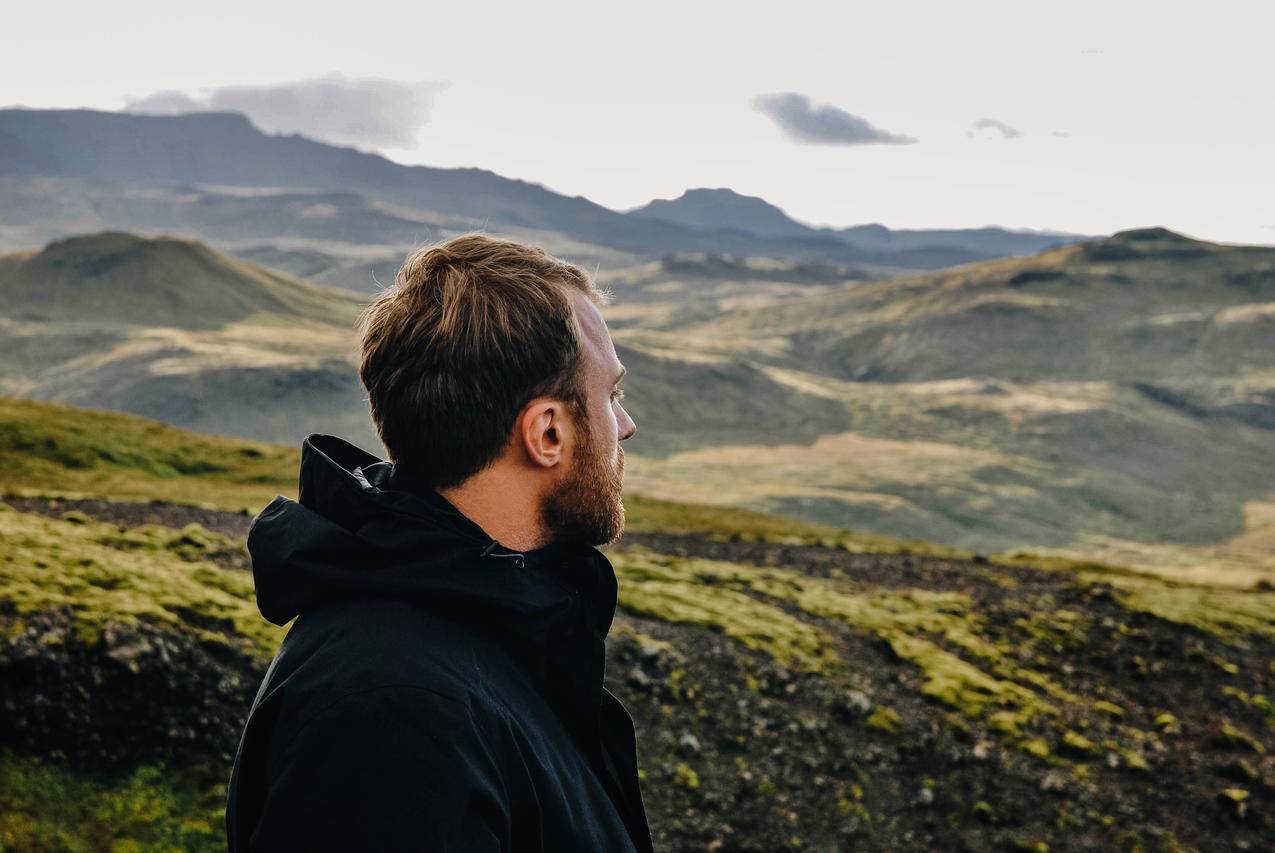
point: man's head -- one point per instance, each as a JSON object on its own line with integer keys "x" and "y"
{"x": 489, "y": 368}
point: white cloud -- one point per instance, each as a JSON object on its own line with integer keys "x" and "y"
{"x": 987, "y": 127}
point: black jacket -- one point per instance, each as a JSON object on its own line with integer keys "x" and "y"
{"x": 437, "y": 691}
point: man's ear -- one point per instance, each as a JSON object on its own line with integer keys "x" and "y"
{"x": 543, "y": 431}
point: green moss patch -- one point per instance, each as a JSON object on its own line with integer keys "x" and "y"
{"x": 190, "y": 543}
{"x": 44, "y": 806}
{"x": 1225, "y": 613}
{"x": 102, "y": 575}
{"x": 885, "y": 719}
{"x": 666, "y": 588}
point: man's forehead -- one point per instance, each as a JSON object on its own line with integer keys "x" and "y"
{"x": 594, "y": 329}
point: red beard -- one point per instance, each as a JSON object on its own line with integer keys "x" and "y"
{"x": 587, "y": 503}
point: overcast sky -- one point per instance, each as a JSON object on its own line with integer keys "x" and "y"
{"x": 1080, "y": 116}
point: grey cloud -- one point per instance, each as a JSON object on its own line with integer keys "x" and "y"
{"x": 823, "y": 125}
{"x": 992, "y": 124}
{"x": 334, "y": 108}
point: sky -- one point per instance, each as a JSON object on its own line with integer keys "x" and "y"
{"x": 1085, "y": 117}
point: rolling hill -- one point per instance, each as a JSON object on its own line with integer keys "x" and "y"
{"x": 1142, "y": 304}
{"x": 172, "y": 329}
{"x": 121, "y": 278}
{"x": 1107, "y": 397}
{"x": 1110, "y": 399}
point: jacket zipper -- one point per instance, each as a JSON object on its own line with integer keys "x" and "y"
{"x": 519, "y": 560}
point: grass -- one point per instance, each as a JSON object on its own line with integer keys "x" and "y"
{"x": 44, "y": 806}
{"x": 648, "y": 514}
{"x": 50, "y": 449}
{"x": 963, "y": 665}
{"x": 1216, "y": 608}
{"x": 1246, "y": 561}
{"x": 890, "y": 483}
{"x": 101, "y": 575}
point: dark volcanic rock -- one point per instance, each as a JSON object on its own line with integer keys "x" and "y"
{"x": 136, "y": 694}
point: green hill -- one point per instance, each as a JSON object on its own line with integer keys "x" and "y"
{"x": 794, "y": 686}
{"x": 114, "y": 277}
{"x": 171, "y": 329}
{"x": 1143, "y": 304}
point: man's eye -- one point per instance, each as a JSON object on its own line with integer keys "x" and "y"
{"x": 617, "y": 394}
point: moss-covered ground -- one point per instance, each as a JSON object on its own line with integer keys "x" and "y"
{"x": 105, "y": 575}
{"x": 794, "y": 686}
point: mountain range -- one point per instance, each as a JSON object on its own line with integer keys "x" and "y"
{"x": 217, "y": 177}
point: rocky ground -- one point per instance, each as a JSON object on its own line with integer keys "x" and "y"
{"x": 1164, "y": 736}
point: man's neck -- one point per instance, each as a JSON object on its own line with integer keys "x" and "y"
{"x": 503, "y": 506}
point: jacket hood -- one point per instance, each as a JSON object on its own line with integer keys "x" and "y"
{"x": 362, "y": 526}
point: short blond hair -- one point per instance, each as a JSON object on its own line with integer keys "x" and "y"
{"x": 471, "y": 331}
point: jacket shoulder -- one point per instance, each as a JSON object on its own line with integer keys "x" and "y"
{"x": 380, "y": 642}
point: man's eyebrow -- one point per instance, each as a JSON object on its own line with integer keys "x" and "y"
{"x": 623, "y": 370}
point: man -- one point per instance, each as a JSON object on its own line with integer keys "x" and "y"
{"x": 441, "y": 687}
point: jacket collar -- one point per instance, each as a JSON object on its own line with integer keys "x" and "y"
{"x": 364, "y": 525}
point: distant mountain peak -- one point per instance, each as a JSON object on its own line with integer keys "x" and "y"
{"x": 720, "y": 194}
{"x": 722, "y": 207}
